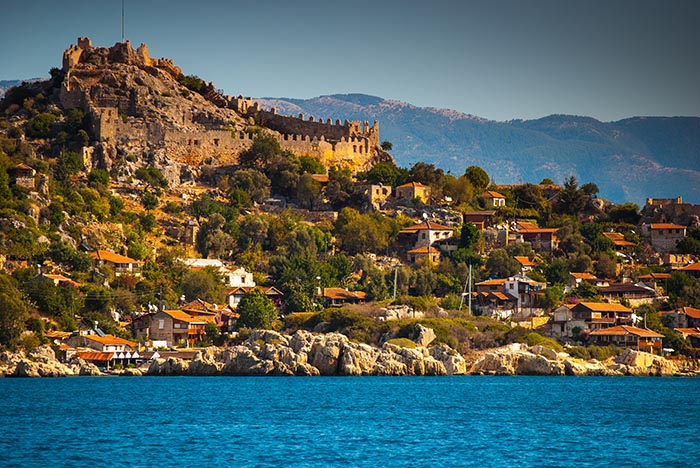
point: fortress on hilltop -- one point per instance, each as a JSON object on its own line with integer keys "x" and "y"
{"x": 136, "y": 102}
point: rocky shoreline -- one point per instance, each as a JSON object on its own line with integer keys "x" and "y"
{"x": 333, "y": 354}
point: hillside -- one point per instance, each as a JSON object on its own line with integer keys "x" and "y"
{"x": 629, "y": 160}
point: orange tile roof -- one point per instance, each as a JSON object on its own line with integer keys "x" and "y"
{"x": 691, "y": 267}
{"x": 112, "y": 257}
{"x": 583, "y": 276}
{"x": 425, "y": 226}
{"x": 525, "y": 261}
{"x": 495, "y": 281}
{"x": 320, "y": 178}
{"x": 492, "y": 194}
{"x": 183, "y": 316}
{"x": 413, "y": 184}
{"x": 618, "y": 239}
{"x": 94, "y": 356}
{"x": 110, "y": 340}
{"x": 24, "y": 167}
{"x": 604, "y": 307}
{"x": 690, "y": 312}
{"x": 425, "y": 250}
{"x": 656, "y": 276}
{"x": 666, "y": 226}
{"x": 527, "y": 225}
{"x": 340, "y": 293}
{"x": 695, "y": 332}
{"x": 538, "y": 230}
{"x": 627, "y": 330}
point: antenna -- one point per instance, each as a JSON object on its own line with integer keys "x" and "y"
{"x": 122, "y": 20}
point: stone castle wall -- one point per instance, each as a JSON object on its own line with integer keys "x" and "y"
{"x": 200, "y": 136}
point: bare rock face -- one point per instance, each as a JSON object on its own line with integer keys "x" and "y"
{"x": 170, "y": 366}
{"x": 43, "y": 354}
{"x": 204, "y": 363}
{"x": 82, "y": 367}
{"x": 453, "y": 362}
{"x": 27, "y": 368}
{"x": 640, "y": 363}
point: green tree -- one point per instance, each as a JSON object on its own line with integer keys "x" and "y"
{"x": 385, "y": 173}
{"x": 13, "y": 312}
{"x": 469, "y": 236}
{"x": 205, "y": 284}
{"x": 625, "y": 213}
{"x": 572, "y": 200}
{"x": 256, "y": 310}
{"x": 553, "y": 296}
{"x": 478, "y": 178}
{"x": 253, "y": 182}
{"x": 386, "y": 145}
{"x": 501, "y": 264}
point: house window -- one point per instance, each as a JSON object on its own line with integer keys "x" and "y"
{"x": 161, "y": 324}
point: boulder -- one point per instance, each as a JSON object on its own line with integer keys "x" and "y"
{"x": 27, "y": 368}
{"x": 82, "y": 367}
{"x": 43, "y": 353}
{"x": 423, "y": 336}
{"x": 357, "y": 359}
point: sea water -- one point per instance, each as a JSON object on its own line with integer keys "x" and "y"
{"x": 350, "y": 421}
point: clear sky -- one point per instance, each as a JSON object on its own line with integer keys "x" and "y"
{"x": 498, "y": 59}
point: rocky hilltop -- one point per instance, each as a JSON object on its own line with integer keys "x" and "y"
{"x": 146, "y": 107}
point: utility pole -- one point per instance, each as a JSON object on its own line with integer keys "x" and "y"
{"x": 396, "y": 274}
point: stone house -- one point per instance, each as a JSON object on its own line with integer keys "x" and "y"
{"x": 412, "y": 191}
{"x": 683, "y": 317}
{"x": 171, "y": 328}
{"x": 541, "y": 239}
{"x": 418, "y": 241}
{"x": 374, "y": 195}
{"x": 664, "y": 237}
{"x": 24, "y": 176}
{"x": 481, "y": 219}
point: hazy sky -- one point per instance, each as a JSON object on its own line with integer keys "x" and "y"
{"x": 498, "y": 59}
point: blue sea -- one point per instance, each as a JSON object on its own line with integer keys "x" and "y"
{"x": 350, "y": 421}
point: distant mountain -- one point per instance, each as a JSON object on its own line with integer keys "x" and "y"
{"x": 629, "y": 160}
{"x": 7, "y": 84}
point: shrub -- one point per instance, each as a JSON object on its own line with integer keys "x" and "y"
{"x": 402, "y": 342}
{"x": 534, "y": 339}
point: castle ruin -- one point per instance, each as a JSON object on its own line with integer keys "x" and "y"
{"x": 136, "y": 102}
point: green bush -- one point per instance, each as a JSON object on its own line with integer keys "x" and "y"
{"x": 534, "y": 339}
{"x": 402, "y": 342}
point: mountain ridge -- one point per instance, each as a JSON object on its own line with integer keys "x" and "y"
{"x": 629, "y": 159}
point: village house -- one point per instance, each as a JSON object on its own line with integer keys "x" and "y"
{"x": 418, "y": 241}
{"x": 541, "y": 239}
{"x": 422, "y": 253}
{"x": 336, "y": 297}
{"x": 593, "y": 316}
{"x": 576, "y": 279}
{"x": 56, "y": 279}
{"x": 375, "y": 195}
{"x": 619, "y": 241}
{"x": 481, "y": 219}
{"x": 690, "y": 334}
{"x": 526, "y": 263}
{"x": 626, "y": 336}
{"x": 169, "y": 328}
{"x": 517, "y": 294}
{"x": 635, "y": 294}
{"x": 657, "y": 281}
{"x": 665, "y": 237}
{"x": 413, "y": 191}
{"x": 232, "y": 276}
{"x": 494, "y": 199}
{"x": 119, "y": 263}
{"x": 683, "y": 317}
{"x": 102, "y": 343}
{"x": 234, "y": 295}
{"x": 24, "y": 176}
{"x": 495, "y": 304}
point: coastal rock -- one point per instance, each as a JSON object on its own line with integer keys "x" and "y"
{"x": 453, "y": 362}
{"x": 27, "y": 368}
{"x": 43, "y": 354}
{"x": 358, "y": 359}
{"x": 9, "y": 361}
{"x": 82, "y": 367}
{"x": 205, "y": 363}
{"x": 325, "y": 352}
{"x": 169, "y": 366}
{"x": 641, "y": 363}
